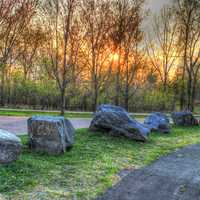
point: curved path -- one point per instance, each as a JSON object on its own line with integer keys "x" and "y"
{"x": 173, "y": 177}
{"x": 18, "y": 125}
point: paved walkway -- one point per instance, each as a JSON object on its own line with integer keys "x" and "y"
{"x": 18, "y": 125}
{"x": 174, "y": 177}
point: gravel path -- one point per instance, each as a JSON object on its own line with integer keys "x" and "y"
{"x": 173, "y": 177}
{"x": 18, "y": 125}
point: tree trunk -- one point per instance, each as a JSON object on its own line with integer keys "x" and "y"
{"x": 117, "y": 88}
{"x": 165, "y": 81}
{"x": 2, "y": 86}
{"x": 182, "y": 94}
{"x": 182, "y": 99}
{"x": 95, "y": 96}
{"x": 63, "y": 102}
{"x": 193, "y": 94}
{"x": 175, "y": 91}
{"x": 117, "y": 82}
{"x": 126, "y": 98}
{"x": 193, "y": 99}
{"x": 189, "y": 91}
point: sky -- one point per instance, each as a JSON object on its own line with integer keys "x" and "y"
{"x": 156, "y": 5}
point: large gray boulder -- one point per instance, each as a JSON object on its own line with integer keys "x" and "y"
{"x": 52, "y": 135}
{"x": 158, "y": 122}
{"x": 184, "y": 118}
{"x": 10, "y": 147}
{"x": 116, "y": 121}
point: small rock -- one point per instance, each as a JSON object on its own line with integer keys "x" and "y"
{"x": 52, "y": 135}
{"x": 10, "y": 147}
{"x": 158, "y": 122}
{"x": 184, "y": 118}
{"x": 116, "y": 121}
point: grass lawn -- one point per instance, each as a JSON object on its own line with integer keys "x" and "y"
{"x": 89, "y": 168}
{"x": 68, "y": 114}
{"x": 29, "y": 113}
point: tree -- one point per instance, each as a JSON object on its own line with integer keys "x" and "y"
{"x": 59, "y": 17}
{"x": 163, "y": 49}
{"x": 126, "y": 37}
{"x": 96, "y": 19}
{"x": 30, "y": 42}
{"x": 188, "y": 14}
{"x": 14, "y": 17}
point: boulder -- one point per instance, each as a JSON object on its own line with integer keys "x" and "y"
{"x": 184, "y": 118}
{"x": 52, "y": 135}
{"x": 116, "y": 121}
{"x": 10, "y": 147}
{"x": 158, "y": 122}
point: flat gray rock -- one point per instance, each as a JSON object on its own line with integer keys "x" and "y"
{"x": 158, "y": 122}
{"x": 173, "y": 177}
{"x": 115, "y": 121}
{"x": 52, "y": 135}
{"x": 10, "y": 147}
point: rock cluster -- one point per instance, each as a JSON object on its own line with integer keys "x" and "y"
{"x": 54, "y": 135}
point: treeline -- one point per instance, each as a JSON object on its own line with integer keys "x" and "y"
{"x": 77, "y": 54}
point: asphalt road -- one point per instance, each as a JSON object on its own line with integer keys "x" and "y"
{"x": 173, "y": 177}
{"x": 18, "y": 125}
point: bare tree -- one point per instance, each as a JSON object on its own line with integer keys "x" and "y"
{"x": 163, "y": 50}
{"x": 133, "y": 57}
{"x": 31, "y": 40}
{"x": 96, "y": 19}
{"x": 14, "y": 17}
{"x": 59, "y": 17}
{"x": 188, "y": 14}
{"x": 126, "y": 36}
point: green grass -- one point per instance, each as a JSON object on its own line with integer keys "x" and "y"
{"x": 68, "y": 114}
{"x": 29, "y": 113}
{"x": 89, "y": 168}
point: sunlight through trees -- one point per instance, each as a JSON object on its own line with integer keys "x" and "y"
{"x": 77, "y": 54}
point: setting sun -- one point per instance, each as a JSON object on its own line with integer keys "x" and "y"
{"x": 115, "y": 56}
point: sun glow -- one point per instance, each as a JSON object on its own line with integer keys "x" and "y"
{"x": 115, "y": 57}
